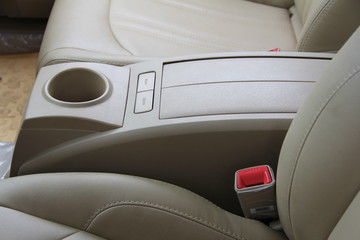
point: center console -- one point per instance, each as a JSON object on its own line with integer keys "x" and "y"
{"x": 190, "y": 121}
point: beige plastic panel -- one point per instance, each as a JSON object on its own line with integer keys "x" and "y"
{"x": 237, "y": 85}
{"x": 235, "y": 97}
{"x": 241, "y": 69}
{"x": 82, "y": 96}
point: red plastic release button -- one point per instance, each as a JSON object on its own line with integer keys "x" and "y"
{"x": 253, "y": 176}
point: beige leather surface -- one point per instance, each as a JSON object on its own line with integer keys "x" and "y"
{"x": 16, "y": 225}
{"x": 84, "y": 26}
{"x": 121, "y": 32}
{"x": 91, "y": 29}
{"x": 327, "y": 23}
{"x": 117, "y": 207}
{"x": 318, "y": 171}
{"x": 162, "y": 28}
{"x": 347, "y": 227}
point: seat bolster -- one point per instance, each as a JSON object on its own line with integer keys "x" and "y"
{"x": 318, "y": 169}
{"x": 327, "y": 24}
{"x": 82, "y": 26}
{"x": 78, "y": 55}
{"x": 114, "y": 206}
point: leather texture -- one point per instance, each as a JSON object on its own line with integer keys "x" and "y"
{"x": 94, "y": 30}
{"x": 327, "y": 24}
{"x": 114, "y": 207}
{"x": 318, "y": 170}
{"x": 17, "y": 225}
{"x": 347, "y": 227}
{"x": 230, "y": 26}
{"x": 80, "y": 26}
{"x": 121, "y": 32}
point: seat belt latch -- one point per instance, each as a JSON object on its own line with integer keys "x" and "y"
{"x": 255, "y": 188}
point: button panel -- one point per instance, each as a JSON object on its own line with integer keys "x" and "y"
{"x": 144, "y": 102}
{"x": 146, "y": 82}
{"x": 145, "y": 92}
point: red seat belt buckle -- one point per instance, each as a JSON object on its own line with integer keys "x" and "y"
{"x": 274, "y": 50}
{"x": 255, "y": 188}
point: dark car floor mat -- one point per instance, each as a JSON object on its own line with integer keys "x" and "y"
{"x": 21, "y": 35}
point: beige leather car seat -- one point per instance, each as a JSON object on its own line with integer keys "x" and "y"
{"x": 318, "y": 185}
{"x": 120, "y": 32}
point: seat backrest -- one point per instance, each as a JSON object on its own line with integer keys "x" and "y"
{"x": 327, "y": 24}
{"x": 318, "y": 172}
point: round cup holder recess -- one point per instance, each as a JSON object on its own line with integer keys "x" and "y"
{"x": 77, "y": 87}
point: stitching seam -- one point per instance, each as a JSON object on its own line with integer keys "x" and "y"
{"x": 315, "y": 21}
{"x": 111, "y": 29}
{"x": 163, "y": 208}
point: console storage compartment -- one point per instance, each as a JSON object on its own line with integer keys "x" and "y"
{"x": 190, "y": 121}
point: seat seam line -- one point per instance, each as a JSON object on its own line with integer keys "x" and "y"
{"x": 111, "y": 28}
{"x": 163, "y": 208}
{"x": 314, "y": 22}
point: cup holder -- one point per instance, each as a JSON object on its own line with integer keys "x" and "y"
{"x": 77, "y": 87}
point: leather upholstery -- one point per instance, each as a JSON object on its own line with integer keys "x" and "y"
{"x": 347, "y": 228}
{"x": 318, "y": 170}
{"x": 317, "y": 185}
{"x": 114, "y": 207}
{"x": 122, "y": 31}
{"x": 16, "y": 225}
{"x": 215, "y": 26}
{"x": 327, "y": 24}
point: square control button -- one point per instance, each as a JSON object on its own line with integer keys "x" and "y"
{"x": 144, "y": 102}
{"x": 146, "y": 82}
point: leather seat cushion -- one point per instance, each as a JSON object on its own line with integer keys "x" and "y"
{"x": 86, "y": 29}
{"x": 190, "y": 26}
{"x": 114, "y": 207}
{"x": 17, "y": 225}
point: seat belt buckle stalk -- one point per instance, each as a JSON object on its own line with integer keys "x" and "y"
{"x": 255, "y": 188}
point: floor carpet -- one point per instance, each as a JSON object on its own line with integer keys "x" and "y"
{"x": 17, "y": 76}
